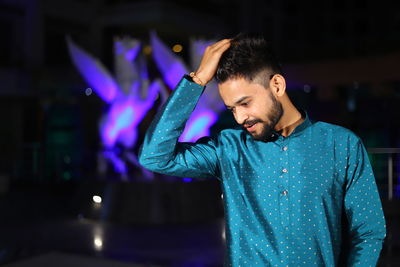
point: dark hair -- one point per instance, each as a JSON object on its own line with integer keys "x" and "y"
{"x": 246, "y": 58}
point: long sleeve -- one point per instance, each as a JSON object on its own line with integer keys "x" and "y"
{"x": 363, "y": 208}
{"x": 161, "y": 152}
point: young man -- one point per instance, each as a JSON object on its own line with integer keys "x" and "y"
{"x": 292, "y": 187}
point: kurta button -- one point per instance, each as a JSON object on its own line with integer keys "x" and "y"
{"x": 284, "y": 192}
{"x": 285, "y": 170}
{"x": 284, "y": 148}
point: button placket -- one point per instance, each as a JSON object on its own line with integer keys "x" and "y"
{"x": 284, "y": 193}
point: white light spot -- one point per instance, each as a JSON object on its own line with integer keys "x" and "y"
{"x": 97, "y": 199}
{"x": 98, "y": 243}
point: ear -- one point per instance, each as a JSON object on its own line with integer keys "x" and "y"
{"x": 277, "y": 84}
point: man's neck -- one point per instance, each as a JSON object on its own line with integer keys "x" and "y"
{"x": 291, "y": 118}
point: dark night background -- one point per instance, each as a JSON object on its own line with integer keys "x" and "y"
{"x": 341, "y": 59}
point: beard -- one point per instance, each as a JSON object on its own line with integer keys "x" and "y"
{"x": 274, "y": 115}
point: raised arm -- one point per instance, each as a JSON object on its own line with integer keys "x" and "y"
{"x": 161, "y": 152}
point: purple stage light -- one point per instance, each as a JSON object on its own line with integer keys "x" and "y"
{"x": 198, "y": 125}
{"x": 95, "y": 74}
{"x": 172, "y": 69}
{"x": 127, "y": 108}
{"x": 121, "y": 116}
{"x": 117, "y": 162}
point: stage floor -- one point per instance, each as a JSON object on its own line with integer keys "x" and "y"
{"x": 178, "y": 245}
{"x": 67, "y": 260}
{"x": 39, "y": 228}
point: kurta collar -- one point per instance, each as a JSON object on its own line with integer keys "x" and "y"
{"x": 304, "y": 125}
{"x": 297, "y": 131}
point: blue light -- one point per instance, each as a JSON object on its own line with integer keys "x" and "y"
{"x": 122, "y": 117}
{"x": 126, "y": 108}
{"x": 172, "y": 67}
{"x": 95, "y": 74}
{"x": 198, "y": 125}
{"x": 119, "y": 165}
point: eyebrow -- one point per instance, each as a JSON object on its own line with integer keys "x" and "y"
{"x": 239, "y": 101}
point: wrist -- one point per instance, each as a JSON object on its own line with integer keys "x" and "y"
{"x": 197, "y": 79}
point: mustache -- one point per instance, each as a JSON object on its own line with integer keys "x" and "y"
{"x": 250, "y": 122}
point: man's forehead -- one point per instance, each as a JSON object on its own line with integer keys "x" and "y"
{"x": 238, "y": 88}
{"x": 239, "y": 100}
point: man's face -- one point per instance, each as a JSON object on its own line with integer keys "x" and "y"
{"x": 253, "y": 106}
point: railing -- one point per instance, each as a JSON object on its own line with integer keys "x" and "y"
{"x": 392, "y": 154}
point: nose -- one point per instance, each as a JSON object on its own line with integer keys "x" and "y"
{"x": 240, "y": 116}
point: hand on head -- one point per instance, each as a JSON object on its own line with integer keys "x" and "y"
{"x": 209, "y": 62}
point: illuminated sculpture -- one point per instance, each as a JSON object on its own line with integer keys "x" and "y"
{"x": 124, "y": 94}
{"x": 127, "y": 107}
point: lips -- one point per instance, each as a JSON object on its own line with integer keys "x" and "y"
{"x": 250, "y": 127}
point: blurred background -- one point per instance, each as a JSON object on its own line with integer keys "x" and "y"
{"x": 80, "y": 81}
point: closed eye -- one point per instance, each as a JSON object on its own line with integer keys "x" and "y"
{"x": 245, "y": 104}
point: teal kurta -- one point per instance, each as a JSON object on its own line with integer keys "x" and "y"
{"x": 285, "y": 200}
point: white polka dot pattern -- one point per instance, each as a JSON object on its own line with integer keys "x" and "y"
{"x": 285, "y": 201}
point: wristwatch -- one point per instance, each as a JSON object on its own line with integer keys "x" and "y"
{"x": 187, "y": 77}
{"x": 193, "y": 78}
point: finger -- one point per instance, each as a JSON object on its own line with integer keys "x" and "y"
{"x": 220, "y": 43}
{"x": 217, "y": 53}
{"x": 223, "y": 47}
